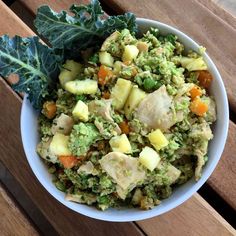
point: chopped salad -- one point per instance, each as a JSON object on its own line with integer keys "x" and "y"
{"x": 130, "y": 122}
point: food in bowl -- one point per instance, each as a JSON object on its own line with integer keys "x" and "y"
{"x": 128, "y": 123}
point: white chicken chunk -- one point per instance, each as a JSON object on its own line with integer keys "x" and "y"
{"x": 155, "y": 110}
{"x": 63, "y": 124}
{"x": 124, "y": 170}
{"x": 45, "y": 153}
{"x": 101, "y": 108}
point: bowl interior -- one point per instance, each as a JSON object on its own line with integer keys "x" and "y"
{"x": 30, "y": 139}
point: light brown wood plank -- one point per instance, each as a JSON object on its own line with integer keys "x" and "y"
{"x": 13, "y": 222}
{"x": 202, "y": 220}
{"x": 198, "y": 22}
{"x": 223, "y": 179}
{"x": 219, "y": 10}
{"x": 56, "y": 5}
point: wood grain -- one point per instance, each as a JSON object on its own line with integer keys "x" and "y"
{"x": 198, "y": 22}
{"x": 13, "y": 222}
{"x": 203, "y": 220}
{"x": 56, "y": 5}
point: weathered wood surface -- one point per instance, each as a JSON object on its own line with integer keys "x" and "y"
{"x": 13, "y": 221}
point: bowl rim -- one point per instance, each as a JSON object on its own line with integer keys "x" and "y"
{"x": 190, "y": 192}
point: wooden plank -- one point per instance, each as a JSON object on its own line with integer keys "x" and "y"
{"x": 228, "y": 5}
{"x": 199, "y": 23}
{"x": 202, "y": 220}
{"x": 223, "y": 179}
{"x": 57, "y": 5}
{"x": 13, "y": 222}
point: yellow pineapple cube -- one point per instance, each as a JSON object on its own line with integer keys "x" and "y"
{"x": 149, "y": 158}
{"x": 130, "y": 53}
{"x": 59, "y": 145}
{"x": 106, "y": 59}
{"x": 80, "y": 111}
{"x": 120, "y": 144}
{"x": 120, "y": 93}
{"x": 158, "y": 139}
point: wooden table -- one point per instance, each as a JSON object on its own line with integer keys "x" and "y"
{"x": 211, "y": 26}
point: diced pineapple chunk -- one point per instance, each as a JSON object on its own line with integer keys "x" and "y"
{"x": 59, "y": 145}
{"x": 192, "y": 64}
{"x": 149, "y": 158}
{"x": 106, "y": 59}
{"x": 80, "y": 111}
{"x": 135, "y": 97}
{"x": 158, "y": 139}
{"x": 117, "y": 67}
{"x": 79, "y": 87}
{"x": 197, "y": 64}
{"x": 69, "y": 72}
{"x": 120, "y": 144}
{"x": 120, "y": 93}
{"x": 130, "y": 53}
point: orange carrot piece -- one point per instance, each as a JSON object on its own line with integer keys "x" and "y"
{"x": 68, "y": 161}
{"x": 198, "y": 107}
{"x": 104, "y": 75}
{"x": 124, "y": 127}
{"x": 204, "y": 78}
{"x": 49, "y": 109}
{"x": 195, "y": 92}
{"x": 106, "y": 95}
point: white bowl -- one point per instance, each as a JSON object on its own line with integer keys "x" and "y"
{"x": 30, "y": 139}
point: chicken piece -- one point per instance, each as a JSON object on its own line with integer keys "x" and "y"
{"x": 173, "y": 173}
{"x": 87, "y": 168}
{"x": 101, "y": 108}
{"x": 63, "y": 124}
{"x": 45, "y": 153}
{"x": 154, "y": 110}
{"x": 124, "y": 170}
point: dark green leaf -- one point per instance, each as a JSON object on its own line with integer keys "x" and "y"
{"x": 35, "y": 64}
{"x": 86, "y": 28}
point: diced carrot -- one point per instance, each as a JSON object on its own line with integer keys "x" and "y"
{"x": 104, "y": 75}
{"x": 68, "y": 161}
{"x": 198, "y": 107}
{"x": 49, "y": 109}
{"x": 195, "y": 92}
{"x": 106, "y": 95}
{"x": 124, "y": 127}
{"x": 204, "y": 78}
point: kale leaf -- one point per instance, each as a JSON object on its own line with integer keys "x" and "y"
{"x": 86, "y": 28}
{"x": 35, "y": 63}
